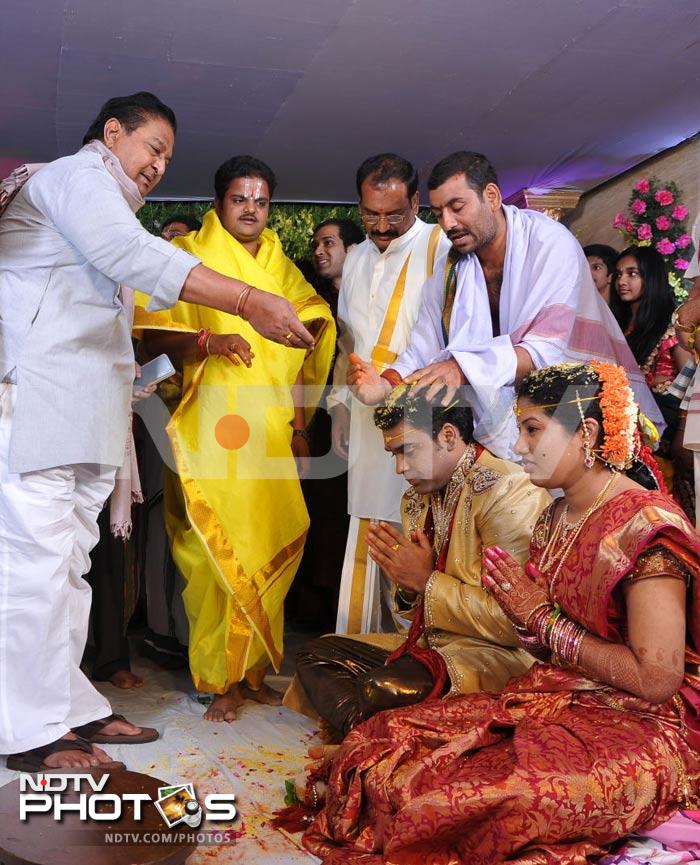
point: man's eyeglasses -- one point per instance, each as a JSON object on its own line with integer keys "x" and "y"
{"x": 374, "y": 218}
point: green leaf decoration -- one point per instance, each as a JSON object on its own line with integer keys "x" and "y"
{"x": 290, "y": 797}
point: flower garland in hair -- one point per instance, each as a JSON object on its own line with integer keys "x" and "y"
{"x": 405, "y": 397}
{"x": 620, "y": 430}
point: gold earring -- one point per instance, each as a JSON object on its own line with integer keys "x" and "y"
{"x": 588, "y": 457}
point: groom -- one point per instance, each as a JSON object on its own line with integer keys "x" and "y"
{"x": 462, "y": 499}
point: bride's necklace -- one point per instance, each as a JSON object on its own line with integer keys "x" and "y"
{"x": 564, "y": 535}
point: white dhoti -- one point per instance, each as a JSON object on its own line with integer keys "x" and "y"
{"x": 48, "y": 525}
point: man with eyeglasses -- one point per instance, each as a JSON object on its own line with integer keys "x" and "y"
{"x": 379, "y": 298}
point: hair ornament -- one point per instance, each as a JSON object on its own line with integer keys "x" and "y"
{"x": 619, "y": 410}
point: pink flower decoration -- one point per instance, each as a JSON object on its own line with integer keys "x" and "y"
{"x": 681, "y": 264}
{"x": 638, "y": 206}
{"x": 644, "y": 231}
{"x": 683, "y": 241}
{"x": 664, "y": 197}
{"x": 663, "y": 223}
{"x": 620, "y": 220}
{"x": 665, "y": 246}
{"x": 642, "y": 185}
{"x": 680, "y": 212}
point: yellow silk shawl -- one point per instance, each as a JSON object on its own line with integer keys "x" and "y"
{"x": 239, "y": 535}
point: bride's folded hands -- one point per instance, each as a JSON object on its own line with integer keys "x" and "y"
{"x": 517, "y": 594}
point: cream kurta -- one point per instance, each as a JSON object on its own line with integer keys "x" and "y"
{"x": 369, "y": 278}
{"x": 498, "y": 506}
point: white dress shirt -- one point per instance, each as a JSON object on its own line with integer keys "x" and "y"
{"x": 67, "y": 242}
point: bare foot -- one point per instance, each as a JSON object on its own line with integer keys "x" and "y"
{"x": 76, "y": 759}
{"x": 225, "y": 707}
{"x": 126, "y": 679}
{"x": 264, "y": 694}
{"x": 320, "y": 755}
{"x": 305, "y": 792}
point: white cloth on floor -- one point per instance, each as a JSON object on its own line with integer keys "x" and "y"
{"x": 48, "y": 525}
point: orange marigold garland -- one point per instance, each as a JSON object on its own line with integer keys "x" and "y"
{"x": 619, "y": 410}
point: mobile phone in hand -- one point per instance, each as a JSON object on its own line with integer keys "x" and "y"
{"x": 154, "y": 371}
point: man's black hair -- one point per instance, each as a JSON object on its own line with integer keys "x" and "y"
{"x": 242, "y": 166}
{"x": 404, "y": 404}
{"x": 131, "y": 111}
{"x": 385, "y": 167}
{"x": 190, "y": 221}
{"x": 605, "y": 253}
{"x": 475, "y": 167}
{"x": 348, "y": 230}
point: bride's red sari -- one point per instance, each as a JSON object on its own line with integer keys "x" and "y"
{"x": 555, "y": 769}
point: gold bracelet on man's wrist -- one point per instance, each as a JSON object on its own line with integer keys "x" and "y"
{"x": 675, "y": 321}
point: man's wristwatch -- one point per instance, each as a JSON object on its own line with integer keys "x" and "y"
{"x": 302, "y": 433}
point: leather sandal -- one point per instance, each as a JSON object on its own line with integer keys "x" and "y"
{"x": 91, "y": 732}
{"x": 33, "y": 760}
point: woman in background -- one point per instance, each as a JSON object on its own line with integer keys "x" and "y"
{"x": 644, "y": 315}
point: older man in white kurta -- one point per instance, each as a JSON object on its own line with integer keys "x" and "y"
{"x": 67, "y": 241}
{"x": 377, "y": 307}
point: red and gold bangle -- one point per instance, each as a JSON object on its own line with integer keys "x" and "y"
{"x": 537, "y": 622}
{"x": 531, "y": 617}
{"x": 392, "y": 377}
{"x": 565, "y": 640}
{"x": 203, "y": 340}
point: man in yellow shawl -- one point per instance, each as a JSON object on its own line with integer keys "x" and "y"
{"x": 235, "y": 516}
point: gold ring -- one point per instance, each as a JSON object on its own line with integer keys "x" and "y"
{"x": 289, "y": 336}
{"x": 394, "y": 547}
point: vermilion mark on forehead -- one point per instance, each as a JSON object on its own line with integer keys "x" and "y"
{"x": 253, "y": 187}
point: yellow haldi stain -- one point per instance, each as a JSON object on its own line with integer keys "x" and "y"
{"x": 232, "y": 432}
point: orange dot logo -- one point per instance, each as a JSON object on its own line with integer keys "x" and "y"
{"x": 232, "y": 432}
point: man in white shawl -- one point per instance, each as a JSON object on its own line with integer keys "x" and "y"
{"x": 514, "y": 294}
